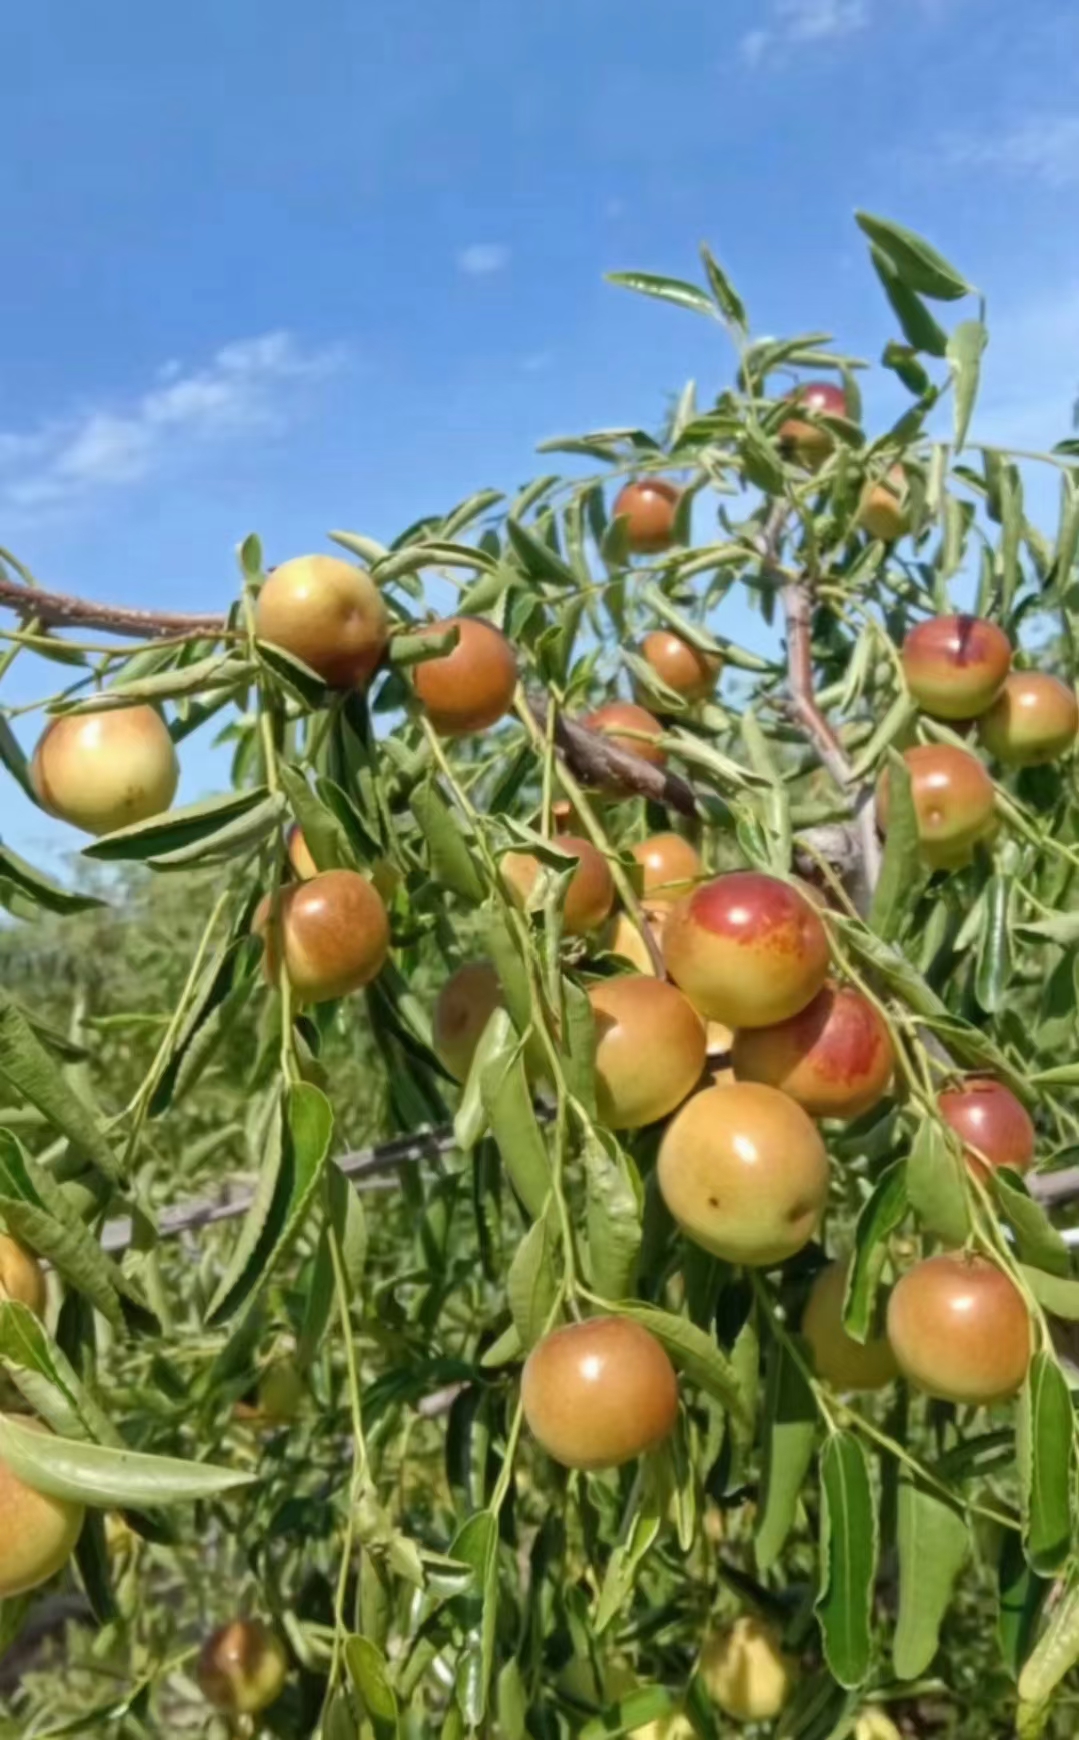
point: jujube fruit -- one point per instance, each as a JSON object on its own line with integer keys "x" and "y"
{"x": 463, "y": 1008}
{"x": 745, "y": 1671}
{"x": 624, "y": 939}
{"x": 747, "y": 949}
{"x": 812, "y": 442}
{"x": 242, "y": 1667}
{"x": 21, "y": 1276}
{"x": 649, "y": 508}
{"x": 650, "y": 1050}
{"x": 873, "y": 1724}
{"x": 333, "y": 932}
{"x": 671, "y": 866}
{"x": 953, "y": 802}
{"x": 744, "y": 1173}
{"x": 38, "y": 1533}
{"x": 327, "y": 613}
{"x": 687, "y": 670}
{"x": 629, "y": 727}
{"x": 590, "y": 894}
{"x": 472, "y": 686}
{"x": 955, "y": 665}
{"x": 841, "y": 1361}
{"x": 835, "y": 1057}
{"x": 884, "y": 511}
{"x": 1034, "y": 719}
{"x": 993, "y": 1126}
{"x": 598, "y": 1393}
{"x": 959, "y": 1329}
{"x": 107, "y": 770}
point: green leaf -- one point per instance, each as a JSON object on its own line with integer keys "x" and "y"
{"x": 13, "y": 758}
{"x": 918, "y": 264}
{"x": 901, "y": 873}
{"x": 42, "y": 1372}
{"x": 613, "y": 1217}
{"x": 1037, "y": 1241}
{"x": 219, "y": 671}
{"x": 895, "y": 723}
{"x": 536, "y": 557}
{"x": 918, "y": 326}
{"x": 41, "y": 889}
{"x": 452, "y": 861}
{"x": 933, "y": 1543}
{"x": 693, "y": 1352}
{"x": 532, "y": 1282}
{"x": 936, "y": 1184}
{"x": 1057, "y": 1650}
{"x": 789, "y": 1433}
{"x": 1021, "y": 1593}
{"x": 728, "y": 301}
{"x": 1057, "y": 1294}
{"x": 1046, "y": 1459}
{"x": 174, "y": 831}
{"x": 300, "y": 1135}
{"x": 511, "y": 1115}
{"x": 369, "y": 1672}
{"x": 236, "y": 839}
{"x": 102, "y": 1476}
{"x": 33, "y": 1074}
{"x": 675, "y": 290}
{"x": 324, "y": 834}
{"x": 638, "y": 1538}
{"x": 881, "y": 1215}
{"x": 994, "y": 970}
{"x": 965, "y": 348}
{"x": 848, "y": 1547}
{"x": 476, "y": 1545}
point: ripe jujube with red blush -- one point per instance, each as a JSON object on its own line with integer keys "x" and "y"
{"x": 650, "y": 509}
{"x": 812, "y": 442}
{"x": 465, "y": 1004}
{"x": 104, "y": 771}
{"x": 332, "y": 930}
{"x": 954, "y": 803}
{"x": 841, "y": 1361}
{"x": 671, "y": 866}
{"x": 598, "y": 1393}
{"x": 747, "y": 949}
{"x": 327, "y": 613}
{"x": 959, "y": 1329}
{"x": 650, "y": 1050}
{"x": 590, "y": 895}
{"x": 1033, "y": 720}
{"x": 993, "y": 1126}
{"x": 472, "y": 686}
{"x": 955, "y": 665}
{"x": 835, "y": 1057}
{"x": 744, "y": 1173}
{"x": 629, "y": 727}
{"x": 687, "y": 670}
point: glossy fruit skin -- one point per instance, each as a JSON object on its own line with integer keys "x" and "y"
{"x": 671, "y": 866}
{"x": 747, "y": 949}
{"x": 745, "y": 1672}
{"x": 622, "y": 938}
{"x": 835, "y": 1057}
{"x": 629, "y": 727}
{"x": 108, "y": 770}
{"x": 684, "y": 668}
{"x": 299, "y": 854}
{"x": 21, "y": 1276}
{"x": 1033, "y": 720}
{"x": 744, "y": 1173}
{"x": 334, "y": 932}
{"x": 281, "y": 1391}
{"x": 649, "y": 507}
{"x": 959, "y": 1329}
{"x": 38, "y": 1534}
{"x": 327, "y": 613}
{"x": 953, "y": 801}
{"x": 650, "y": 1050}
{"x": 955, "y": 665}
{"x": 242, "y": 1667}
{"x": 598, "y": 1393}
{"x": 472, "y": 686}
{"x": 883, "y": 512}
{"x": 810, "y": 442}
{"x": 590, "y": 896}
{"x": 993, "y": 1126}
{"x": 463, "y": 1008}
{"x": 841, "y": 1361}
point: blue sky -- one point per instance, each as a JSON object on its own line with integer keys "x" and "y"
{"x": 286, "y": 269}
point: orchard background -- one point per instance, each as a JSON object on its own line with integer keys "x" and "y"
{"x": 296, "y": 1401}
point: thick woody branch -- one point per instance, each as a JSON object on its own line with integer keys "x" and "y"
{"x": 61, "y": 610}
{"x": 599, "y": 763}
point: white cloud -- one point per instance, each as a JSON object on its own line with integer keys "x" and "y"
{"x": 1045, "y": 148}
{"x": 480, "y": 259}
{"x": 790, "y": 24}
{"x": 244, "y": 389}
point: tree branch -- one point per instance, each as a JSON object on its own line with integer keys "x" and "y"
{"x": 62, "y": 610}
{"x": 598, "y": 762}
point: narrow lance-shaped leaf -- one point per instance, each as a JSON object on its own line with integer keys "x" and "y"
{"x": 849, "y": 1543}
{"x": 512, "y": 1117}
{"x": 532, "y": 1282}
{"x": 613, "y": 1218}
{"x": 789, "y": 1431}
{"x": 933, "y": 1543}
{"x": 100, "y": 1475}
{"x": 27, "y": 1066}
{"x": 675, "y": 290}
{"x": 936, "y": 1184}
{"x": 881, "y": 1215}
{"x": 965, "y": 348}
{"x": 917, "y": 262}
{"x": 1046, "y": 1461}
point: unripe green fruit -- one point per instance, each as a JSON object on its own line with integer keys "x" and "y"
{"x": 108, "y": 770}
{"x": 873, "y": 1724}
{"x": 281, "y": 1391}
{"x": 745, "y": 1671}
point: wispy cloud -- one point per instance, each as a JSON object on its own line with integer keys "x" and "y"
{"x": 480, "y": 259}
{"x": 1045, "y": 147}
{"x": 793, "y": 24}
{"x": 247, "y": 387}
